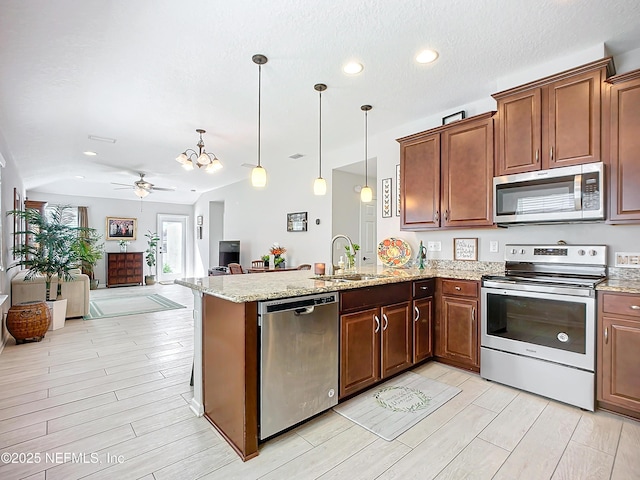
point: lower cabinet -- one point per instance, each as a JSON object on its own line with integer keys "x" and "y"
{"x": 384, "y": 330}
{"x": 124, "y": 268}
{"x": 457, "y": 325}
{"x": 618, "y": 340}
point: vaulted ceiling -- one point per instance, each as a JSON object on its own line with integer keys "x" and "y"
{"x": 148, "y": 73}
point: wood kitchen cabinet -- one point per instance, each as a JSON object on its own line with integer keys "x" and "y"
{"x": 618, "y": 340}
{"x": 446, "y": 175}
{"x": 423, "y": 313}
{"x": 124, "y": 268}
{"x": 376, "y": 335}
{"x": 457, "y": 323}
{"x": 623, "y": 125}
{"x": 552, "y": 122}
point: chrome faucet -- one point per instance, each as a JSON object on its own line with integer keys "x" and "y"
{"x": 333, "y": 241}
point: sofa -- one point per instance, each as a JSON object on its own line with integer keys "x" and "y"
{"x": 75, "y": 291}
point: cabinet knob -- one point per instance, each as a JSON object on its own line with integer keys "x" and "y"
{"x": 458, "y": 288}
{"x": 446, "y": 214}
{"x": 436, "y": 216}
{"x": 635, "y": 307}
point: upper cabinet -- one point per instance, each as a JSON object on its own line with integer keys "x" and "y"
{"x": 552, "y": 122}
{"x": 446, "y": 175}
{"x": 623, "y": 127}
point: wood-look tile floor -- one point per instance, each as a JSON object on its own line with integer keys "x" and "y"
{"x": 108, "y": 398}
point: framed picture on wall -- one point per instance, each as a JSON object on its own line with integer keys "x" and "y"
{"x": 465, "y": 249}
{"x": 121, "y": 228}
{"x": 297, "y": 222}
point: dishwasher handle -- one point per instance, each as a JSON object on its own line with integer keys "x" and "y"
{"x": 304, "y": 311}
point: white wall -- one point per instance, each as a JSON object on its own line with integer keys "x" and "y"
{"x": 146, "y": 212}
{"x": 257, "y": 218}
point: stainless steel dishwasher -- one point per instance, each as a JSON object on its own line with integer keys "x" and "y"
{"x": 298, "y": 359}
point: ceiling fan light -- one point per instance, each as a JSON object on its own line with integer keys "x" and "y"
{"x": 182, "y": 158}
{"x": 203, "y": 159}
{"x": 214, "y": 166}
{"x": 141, "y": 192}
{"x": 319, "y": 186}
{"x": 188, "y": 165}
{"x": 366, "y": 194}
{"x": 258, "y": 177}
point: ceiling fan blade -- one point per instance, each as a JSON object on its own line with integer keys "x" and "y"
{"x": 123, "y": 184}
{"x": 122, "y": 188}
{"x": 172, "y": 189}
{"x": 249, "y": 165}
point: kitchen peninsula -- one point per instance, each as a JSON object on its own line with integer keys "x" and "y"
{"x": 226, "y": 345}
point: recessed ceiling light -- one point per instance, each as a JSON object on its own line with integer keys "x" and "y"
{"x": 79, "y": 176}
{"x": 89, "y": 153}
{"x": 353, "y": 68}
{"x": 427, "y": 56}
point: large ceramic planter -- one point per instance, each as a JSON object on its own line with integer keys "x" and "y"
{"x": 150, "y": 279}
{"x": 58, "y": 309}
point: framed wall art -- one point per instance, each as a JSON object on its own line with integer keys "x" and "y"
{"x": 118, "y": 228}
{"x": 297, "y": 222}
{"x": 386, "y": 198}
{"x": 465, "y": 249}
{"x": 454, "y": 117}
{"x": 398, "y": 190}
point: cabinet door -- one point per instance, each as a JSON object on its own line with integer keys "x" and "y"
{"x": 359, "y": 350}
{"x": 467, "y": 175}
{"x": 420, "y": 183}
{"x": 519, "y": 136}
{"x": 422, "y": 329}
{"x": 624, "y": 127}
{"x": 574, "y": 121}
{"x": 620, "y": 362}
{"x": 458, "y": 334}
{"x": 397, "y": 338}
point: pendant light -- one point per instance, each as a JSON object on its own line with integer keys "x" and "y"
{"x": 366, "y": 194}
{"x": 320, "y": 184}
{"x": 259, "y": 174}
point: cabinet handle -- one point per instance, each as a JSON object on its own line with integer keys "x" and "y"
{"x": 415, "y": 319}
{"x": 537, "y": 156}
{"x": 551, "y": 154}
{"x": 458, "y": 288}
{"x": 634, "y": 307}
{"x": 446, "y": 215}
{"x": 606, "y": 335}
{"x": 473, "y": 313}
{"x": 386, "y": 321}
{"x": 436, "y": 216}
{"x": 375, "y": 317}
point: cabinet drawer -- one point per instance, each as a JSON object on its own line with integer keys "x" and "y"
{"x": 423, "y": 288}
{"x": 376, "y": 296}
{"x": 464, "y": 288}
{"x": 621, "y": 304}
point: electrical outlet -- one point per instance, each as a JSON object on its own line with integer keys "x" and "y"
{"x": 493, "y": 246}
{"x": 434, "y": 246}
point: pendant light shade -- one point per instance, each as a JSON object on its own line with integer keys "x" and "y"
{"x": 366, "y": 194}
{"x": 259, "y": 174}
{"x": 320, "y": 184}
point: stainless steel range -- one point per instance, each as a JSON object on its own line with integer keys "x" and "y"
{"x": 539, "y": 321}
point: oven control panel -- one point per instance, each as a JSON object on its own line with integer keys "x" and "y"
{"x": 574, "y": 254}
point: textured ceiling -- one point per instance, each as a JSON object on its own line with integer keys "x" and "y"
{"x": 148, "y": 73}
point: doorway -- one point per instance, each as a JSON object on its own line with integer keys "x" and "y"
{"x": 172, "y": 257}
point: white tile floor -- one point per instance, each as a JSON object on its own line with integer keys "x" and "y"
{"x": 108, "y": 398}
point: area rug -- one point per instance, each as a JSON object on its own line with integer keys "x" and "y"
{"x": 395, "y": 406}
{"x": 129, "y": 305}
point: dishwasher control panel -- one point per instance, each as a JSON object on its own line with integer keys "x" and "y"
{"x": 294, "y": 303}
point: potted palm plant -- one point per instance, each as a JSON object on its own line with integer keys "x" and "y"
{"x": 90, "y": 249}
{"x": 150, "y": 256}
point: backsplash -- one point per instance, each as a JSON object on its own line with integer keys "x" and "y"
{"x": 624, "y": 273}
{"x": 483, "y": 267}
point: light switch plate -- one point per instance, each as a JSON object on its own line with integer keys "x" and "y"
{"x": 628, "y": 259}
{"x": 434, "y": 246}
{"x": 493, "y": 246}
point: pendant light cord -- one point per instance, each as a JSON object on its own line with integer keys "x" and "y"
{"x": 259, "y": 106}
{"x": 320, "y": 138}
{"x": 366, "y": 142}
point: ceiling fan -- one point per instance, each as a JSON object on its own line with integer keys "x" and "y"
{"x": 142, "y": 188}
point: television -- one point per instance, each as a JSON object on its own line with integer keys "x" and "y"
{"x": 228, "y": 252}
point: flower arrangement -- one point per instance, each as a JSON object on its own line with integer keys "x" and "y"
{"x": 123, "y": 245}
{"x": 277, "y": 250}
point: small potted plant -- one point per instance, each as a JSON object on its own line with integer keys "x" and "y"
{"x": 277, "y": 251}
{"x": 265, "y": 259}
{"x": 150, "y": 256}
{"x": 351, "y": 255}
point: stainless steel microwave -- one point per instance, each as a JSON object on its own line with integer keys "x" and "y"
{"x": 565, "y": 194}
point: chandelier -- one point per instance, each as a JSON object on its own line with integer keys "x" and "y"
{"x": 201, "y": 158}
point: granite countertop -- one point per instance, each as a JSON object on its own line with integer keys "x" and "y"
{"x": 272, "y": 285}
{"x": 621, "y": 285}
